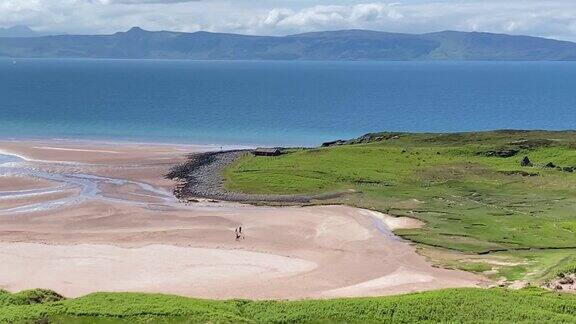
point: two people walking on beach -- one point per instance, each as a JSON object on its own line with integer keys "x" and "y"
{"x": 238, "y": 233}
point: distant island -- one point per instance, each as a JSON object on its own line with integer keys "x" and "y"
{"x": 22, "y": 31}
{"x": 330, "y": 45}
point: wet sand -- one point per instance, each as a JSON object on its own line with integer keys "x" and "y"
{"x": 118, "y": 228}
{"x": 10, "y": 183}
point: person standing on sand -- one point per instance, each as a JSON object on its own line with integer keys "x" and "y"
{"x": 238, "y": 233}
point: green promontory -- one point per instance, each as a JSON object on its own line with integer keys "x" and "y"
{"x": 484, "y": 209}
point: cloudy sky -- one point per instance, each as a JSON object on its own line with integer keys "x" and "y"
{"x": 548, "y": 18}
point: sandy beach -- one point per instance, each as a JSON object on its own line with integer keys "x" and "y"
{"x": 81, "y": 217}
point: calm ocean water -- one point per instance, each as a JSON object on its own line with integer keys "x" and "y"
{"x": 284, "y": 103}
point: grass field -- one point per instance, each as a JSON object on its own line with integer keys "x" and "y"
{"x": 454, "y": 305}
{"x": 483, "y": 212}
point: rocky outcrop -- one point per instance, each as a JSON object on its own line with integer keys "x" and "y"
{"x": 550, "y": 165}
{"x": 367, "y": 138}
{"x": 520, "y": 173}
{"x": 566, "y": 282}
{"x": 526, "y": 162}
{"x": 334, "y": 143}
{"x": 200, "y": 176}
{"x": 502, "y": 152}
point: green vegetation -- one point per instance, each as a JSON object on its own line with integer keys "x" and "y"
{"x": 28, "y": 297}
{"x": 469, "y": 188}
{"x": 453, "y": 305}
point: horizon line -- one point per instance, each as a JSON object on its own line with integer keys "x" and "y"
{"x": 138, "y": 28}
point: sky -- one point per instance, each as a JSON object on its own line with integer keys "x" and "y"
{"x": 545, "y": 18}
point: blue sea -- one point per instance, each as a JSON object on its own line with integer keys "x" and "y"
{"x": 277, "y": 103}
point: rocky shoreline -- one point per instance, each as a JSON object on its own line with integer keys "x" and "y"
{"x": 200, "y": 177}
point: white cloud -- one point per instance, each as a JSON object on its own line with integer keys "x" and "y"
{"x": 541, "y": 18}
{"x": 315, "y": 16}
{"x": 548, "y": 18}
{"x": 321, "y": 17}
{"x": 374, "y": 12}
{"x": 276, "y": 16}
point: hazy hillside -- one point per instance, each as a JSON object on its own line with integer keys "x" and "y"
{"x": 333, "y": 45}
{"x": 20, "y": 31}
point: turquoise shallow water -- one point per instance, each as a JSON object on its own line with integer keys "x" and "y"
{"x": 284, "y": 103}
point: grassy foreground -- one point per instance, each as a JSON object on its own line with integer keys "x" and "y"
{"x": 484, "y": 212}
{"x": 453, "y": 305}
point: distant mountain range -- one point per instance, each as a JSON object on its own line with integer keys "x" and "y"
{"x": 331, "y": 45}
{"x": 21, "y": 31}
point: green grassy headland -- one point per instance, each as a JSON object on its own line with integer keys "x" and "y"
{"x": 483, "y": 211}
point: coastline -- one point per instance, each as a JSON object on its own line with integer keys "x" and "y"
{"x": 129, "y": 210}
{"x": 194, "y": 146}
{"x": 217, "y": 144}
{"x": 200, "y": 176}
